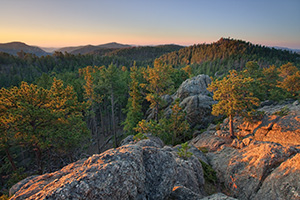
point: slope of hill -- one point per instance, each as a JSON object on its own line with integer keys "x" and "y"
{"x": 89, "y": 48}
{"x": 227, "y": 54}
{"x": 15, "y": 47}
{"x": 142, "y": 53}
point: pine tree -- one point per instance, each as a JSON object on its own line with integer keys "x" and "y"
{"x": 159, "y": 84}
{"x": 134, "y": 106}
{"x": 233, "y": 96}
{"x": 290, "y": 79}
{"x": 42, "y": 119}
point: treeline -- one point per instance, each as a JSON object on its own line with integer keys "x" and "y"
{"x": 121, "y": 96}
{"x": 145, "y": 54}
{"x": 27, "y": 67}
{"x": 226, "y": 54}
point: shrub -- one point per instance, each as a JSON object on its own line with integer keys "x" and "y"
{"x": 218, "y": 126}
{"x": 183, "y": 152}
{"x": 139, "y": 136}
{"x": 209, "y": 173}
{"x": 254, "y": 116}
{"x": 203, "y": 149}
{"x": 4, "y": 197}
{"x": 283, "y": 111}
{"x": 172, "y": 130}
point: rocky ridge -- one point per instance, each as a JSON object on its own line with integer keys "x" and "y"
{"x": 136, "y": 170}
{"x": 261, "y": 163}
{"x": 264, "y": 162}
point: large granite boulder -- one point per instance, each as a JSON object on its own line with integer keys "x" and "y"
{"x": 193, "y": 86}
{"x": 198, "y": 110}
{"x": 139, "y": 170}
{"x": 263, "y": 161}
{"x": 195, "y": 100}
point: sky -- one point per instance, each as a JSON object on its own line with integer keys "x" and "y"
{"x": 58, "y": 23}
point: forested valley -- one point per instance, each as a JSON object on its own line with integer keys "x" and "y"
{"x": 59, "y": 108}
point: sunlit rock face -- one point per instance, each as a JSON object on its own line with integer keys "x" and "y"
{"x": 141, "y": 170}
{"x": 244, "y": 170}
{"x": 264, "y": 161}
{"x": 283, "y": 182}
{"x": 274, "y": 127}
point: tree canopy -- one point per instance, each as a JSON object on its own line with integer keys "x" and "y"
{"x": 41, "y": 119}
{"x": 233, "y": 96}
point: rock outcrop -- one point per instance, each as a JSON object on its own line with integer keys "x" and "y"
{"x": 283, "y": 182}
{"x": 218, "y": 196}
{"x": 254, "y": 165}
{"x": 193, "y": 86}
{"x": 258, "y": 165}
{"x": 243, "y": 171}
{"x": 133, "y": 171}
{"x": 281, "y": 124}
{"x": 195, "y": 100}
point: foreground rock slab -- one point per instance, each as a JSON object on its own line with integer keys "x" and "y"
{"x": 244, "y": 171}
{"x": 283, "y": 182}
{"x": 133, "y": 171}
{"x": 283, "y": 129}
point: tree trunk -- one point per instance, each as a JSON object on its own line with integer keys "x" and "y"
{"x": 102, "y": 120}
{"x": 231, "y": 126}
{"x": 113, "y": 118}
{"x": 96, "y": 129}
{"x": 38, "y": 154}
{"x": 10, "y": 159}
{"x": 156, "y": 111}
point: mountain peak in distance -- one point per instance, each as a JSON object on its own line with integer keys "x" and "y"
{"x": 15, "y": 47}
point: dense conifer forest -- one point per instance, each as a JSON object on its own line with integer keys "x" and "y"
{"x": 61, "y": 107}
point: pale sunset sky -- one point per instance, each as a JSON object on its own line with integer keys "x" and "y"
{"x": 58, "y": 23}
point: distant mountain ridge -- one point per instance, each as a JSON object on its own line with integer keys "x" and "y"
{"x": 287, "y": 49}
{"x": 15, "y": 47}
{"x": 89, "y": 48}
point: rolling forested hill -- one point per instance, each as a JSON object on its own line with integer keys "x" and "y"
{"x": 144, "y": 53}
{"x": 228, "y": 54}
{"x": 27, "y": 67}
{"x": 220, "y": 57}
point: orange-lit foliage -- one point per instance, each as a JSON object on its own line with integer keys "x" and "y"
{"x": 41, "y": 118}
{"x": 233, "y": 96}
{"x": 159, "y": 84}
{"x": 290, "y": 79}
